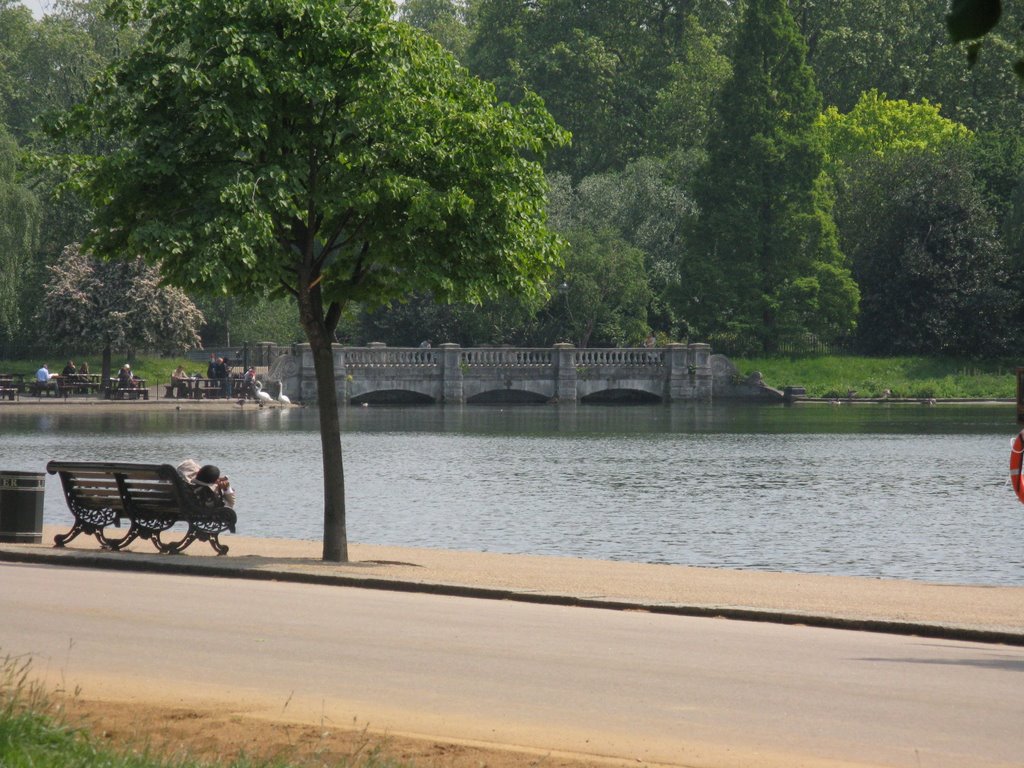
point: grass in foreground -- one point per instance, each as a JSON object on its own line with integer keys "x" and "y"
{"x": 914, "y": 377}
{"x": 34, "y": 733}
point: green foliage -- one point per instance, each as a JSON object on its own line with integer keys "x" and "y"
{"x": 450, "y": 22}
{"x": 645, "y": 207}
{"x": 683, "y": 114}
{"x": 318, "y": 150}
{"x": 292, "y": 167}
{"x": 47, "y": 66}
{"x": 763, "y": 256}
{"x": 603, "y": 69}
{"x": 606, "y": 291}
{"x": 231, "y": 321}
{"x": 915, "y": 377}
{"x": 633, "y": 79}
{"x": 877, "y": 125}
{"x": 503, "y": 320}
{"x": 19, "y": 233}
{"x": 926, "y": 254}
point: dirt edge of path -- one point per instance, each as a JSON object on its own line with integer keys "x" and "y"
{"x": 220, "y": 736}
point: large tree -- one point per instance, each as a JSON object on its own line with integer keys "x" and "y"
{"x": 450, "y": 22}
{"x": 319, "y": 149}
{"x": 764, "y": 262}
{"x": 642, "y": 209}
{"x": 934, "y": 274}
{"x": 605, "y": 289}
{"x": 19, "y": 232}
{"x": 610, "y": 72}
{"x": 106, "y": 305}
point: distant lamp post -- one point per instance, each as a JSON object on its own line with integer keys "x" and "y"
{"x": 563, "y": 290}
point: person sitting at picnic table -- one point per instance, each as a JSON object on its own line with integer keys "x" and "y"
{"x": 124, "y": 377}
{"x": 69, "y": 369}
{"x": 210, "y": 487}
{"x": 83, "y": 369}
{"x": 179, "y": 382}
{"x": 47, "y": 380}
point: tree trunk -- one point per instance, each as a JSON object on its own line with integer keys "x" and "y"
{"x": 335, "y": 534}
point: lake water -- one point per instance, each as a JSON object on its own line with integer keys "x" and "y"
{"x": 901, "y": 491}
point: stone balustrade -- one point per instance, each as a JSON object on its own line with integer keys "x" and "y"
{"x": 449, "y": 373}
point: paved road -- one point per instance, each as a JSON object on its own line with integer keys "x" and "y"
{"x": 664, "y": 689}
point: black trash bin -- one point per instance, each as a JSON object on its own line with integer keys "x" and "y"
{"x": 21, "y": 507}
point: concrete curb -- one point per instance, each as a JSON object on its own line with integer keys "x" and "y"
{"x": 222, "y": 568}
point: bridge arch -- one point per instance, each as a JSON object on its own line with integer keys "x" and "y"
{"x": 621, "y": 396}
{"x": 507, "y": 397}
{"x": 392, "y": 397}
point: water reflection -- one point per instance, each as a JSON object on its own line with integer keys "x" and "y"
{"x": 887, "y": 491}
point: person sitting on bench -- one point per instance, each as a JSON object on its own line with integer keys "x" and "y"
{"x": 47, "y": 380}
{"x": 124, "y": 377}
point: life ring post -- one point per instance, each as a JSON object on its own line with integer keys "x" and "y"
{"x": 1020, "y": 395}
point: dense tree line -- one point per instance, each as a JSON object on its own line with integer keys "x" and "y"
{"x": 762, "y": 175}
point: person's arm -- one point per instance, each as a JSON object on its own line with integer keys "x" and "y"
{"x": 226, "y": 491}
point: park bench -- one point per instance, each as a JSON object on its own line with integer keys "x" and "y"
{"x": 152, "y": 498}
{"x": 9, "y": 392}
{"x": 128, "y": 393}
{"x": 39, "y": 388}
{"x": 80, "y": 384}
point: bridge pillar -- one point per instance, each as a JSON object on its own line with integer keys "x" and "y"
{"x": 565, "y": 372}
{"x": 689, "y": 372}
{"x": 306, "y": 374}
{"x": 451, "y": 373}
{"x": 679, "y": 382}
{"x": 700, "y": 360}
{"x": 340, "y": 373}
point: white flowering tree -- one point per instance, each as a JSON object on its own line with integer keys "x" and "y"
{"x": 106, "y": 305}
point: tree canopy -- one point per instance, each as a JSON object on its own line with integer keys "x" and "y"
{"x": 637, "y": 82}
{"x": 317, "y": 149}
{"x": 925, "y": 250}
{"x": 878, "y": 125}
{"x": 764, "y": 262}
{"x": 19, "y": 233}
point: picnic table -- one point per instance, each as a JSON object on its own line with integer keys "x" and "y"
{"x": 11, "y": 385}
{"x": 114, "y": 391}
{"x": 80, "y": 383}
{"x": 203, "y": 388}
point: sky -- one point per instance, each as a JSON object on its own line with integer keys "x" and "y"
{"x": 38, "y": 7}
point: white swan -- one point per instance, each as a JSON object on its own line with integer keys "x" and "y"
{"x": 261, "y": 396}
{"x": 281, "y": 396}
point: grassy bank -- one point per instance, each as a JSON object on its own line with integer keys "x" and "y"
{"x": 35, "y": 733}
{"x": 151, "y": 368}
{"x": 916, "y": 377}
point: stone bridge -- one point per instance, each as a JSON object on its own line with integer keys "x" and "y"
{"x": 449, "y": 373}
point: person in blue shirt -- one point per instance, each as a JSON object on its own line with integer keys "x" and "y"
{"x": 45, "y": 379}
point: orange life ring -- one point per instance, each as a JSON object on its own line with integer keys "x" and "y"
{"x": 1016, "y": 459}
